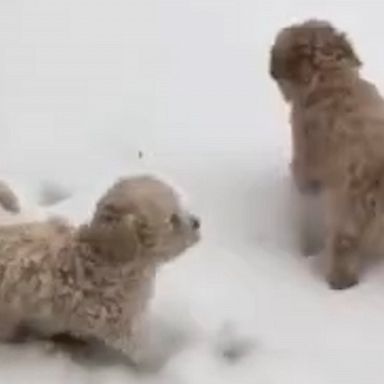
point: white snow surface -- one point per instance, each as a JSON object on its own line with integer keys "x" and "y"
{"x": 85, "y": 85}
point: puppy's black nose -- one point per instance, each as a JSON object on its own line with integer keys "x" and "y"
{"x": 195, "y": 223}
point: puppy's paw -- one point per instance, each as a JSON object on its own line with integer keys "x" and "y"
{"x": 342, "y": 280}
{"x": 144, "y": 362}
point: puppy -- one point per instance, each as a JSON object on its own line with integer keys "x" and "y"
{"x": 337, "y": 121}
{"x": 93, "y": 282}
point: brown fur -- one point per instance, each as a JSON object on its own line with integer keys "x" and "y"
{"x": 337, "y": 123}
{"x": 93, "y": 282}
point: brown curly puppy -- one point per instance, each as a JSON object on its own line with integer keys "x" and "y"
{"x": 337, "y": 123}
{"x": 93, "y": 282}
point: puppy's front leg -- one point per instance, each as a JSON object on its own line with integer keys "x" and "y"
{"x": 133, "y": 340}
{"x": 346, "y": 227}
{"x": 344, "y": 260}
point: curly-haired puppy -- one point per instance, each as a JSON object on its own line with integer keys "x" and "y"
{"x": 93, "y": 282}
{"x": 337, "y": 121}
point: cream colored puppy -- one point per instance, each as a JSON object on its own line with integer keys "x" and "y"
{"x": 337, "y": 121}
{"x": 95, "y": 281}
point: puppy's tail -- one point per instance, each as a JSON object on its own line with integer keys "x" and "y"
{"x": 8, "y": 199}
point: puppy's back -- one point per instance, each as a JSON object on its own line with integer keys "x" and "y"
{"x": 24, "y": 240}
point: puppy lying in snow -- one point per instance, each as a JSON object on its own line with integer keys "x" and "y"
{"x": 93, "y": 282}
{"x": 337, "y": 123}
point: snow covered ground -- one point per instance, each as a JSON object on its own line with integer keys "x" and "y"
{"x": 85, "y": 85}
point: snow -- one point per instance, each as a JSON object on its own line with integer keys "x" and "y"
{"x": 94, "y": 89}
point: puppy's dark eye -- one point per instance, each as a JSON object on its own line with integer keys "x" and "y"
{"x": 109, "y": 213}
{"x": 108, "y": 218}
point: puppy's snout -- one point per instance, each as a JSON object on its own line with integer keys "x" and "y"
{"x": 195, "y": 222}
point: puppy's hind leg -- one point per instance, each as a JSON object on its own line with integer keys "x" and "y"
{"x": 349, "y": 219}
{"x": 134, "y": 341}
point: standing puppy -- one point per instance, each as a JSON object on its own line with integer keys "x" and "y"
{"x": 337, "y": 121}
{"x": 93, "y": 282}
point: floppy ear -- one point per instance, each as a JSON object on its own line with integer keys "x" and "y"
{"x": 117, "y": 239}
{"x": 294, "y": 66}
{"x": 291, "y": 63}
{"x": 276, "y": 65}
{"x": 347, "y": 50}
{"x": 333, "y": 50}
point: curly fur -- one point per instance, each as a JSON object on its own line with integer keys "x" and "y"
{"x": 93, "y": 282}
{"x": 337, "y": 121}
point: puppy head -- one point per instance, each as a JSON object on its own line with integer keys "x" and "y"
{"x": 304, "y": 50}
{"x": 141, "y": 217}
